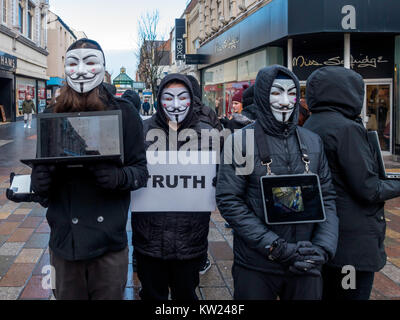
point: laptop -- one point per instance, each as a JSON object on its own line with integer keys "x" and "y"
{"x": 77, "y": 138}
{"x": 292, "y": 199}
{"x": 373, "y": 139}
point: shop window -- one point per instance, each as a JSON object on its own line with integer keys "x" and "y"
{"x": 21, "y": 18}
{"x": 29, "y": 25}
{"x": 249, "y": 65}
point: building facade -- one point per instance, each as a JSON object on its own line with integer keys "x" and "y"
{"x": 305, "y": 35}
{"x": 23, "y": 54}
{"x": 60, "y": 37}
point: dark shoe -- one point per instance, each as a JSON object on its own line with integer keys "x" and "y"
{"x": 205, "y": 267}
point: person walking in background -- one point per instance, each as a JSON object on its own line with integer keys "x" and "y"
{"x": 335, "y": 96}
{"x": 249, "y": 109}
{"x": 28, "y": 107}
{"x": 146, "y": 107}
{"x": 236, "y": 120}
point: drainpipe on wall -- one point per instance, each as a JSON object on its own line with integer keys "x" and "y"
{"x": 347, "y": 52}
{"x": 290, "y": 54}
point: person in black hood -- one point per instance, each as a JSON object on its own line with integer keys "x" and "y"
{"x": 88, "y": 203}
{"x": 170, "y": 246}
{"x": 205, "y": 113}
{"x": 249, "y": 109}
{"x": 133, "y": 98}
{"x": 275, "y": 260}
{"x": 335, "y": 96}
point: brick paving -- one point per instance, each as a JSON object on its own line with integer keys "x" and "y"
{"x": 24, "y": 235}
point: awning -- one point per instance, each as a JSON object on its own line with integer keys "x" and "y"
{"x": 55, "y": 81}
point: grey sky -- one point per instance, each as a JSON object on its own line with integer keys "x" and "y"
{"x": 113, "y": 23}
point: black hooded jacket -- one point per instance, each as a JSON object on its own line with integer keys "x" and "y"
{"x": 205, "y": 113}
{"x": 249, "y": 108}
{"x": 133, "y": 98}
{"x": 335, "y": 96}
{"x": 239, "y": 197}
{"x": 172, "y": 235}
{"x": 86, "y": 220}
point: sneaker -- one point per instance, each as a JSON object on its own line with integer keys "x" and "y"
{"x": 29, "y": 127}
{"x": 205, "y": 267}
{"x": 25, "y": 125}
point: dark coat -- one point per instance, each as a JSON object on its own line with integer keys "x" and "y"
{"x": 133, "y": 98}
{"x": 171, "y": 235}
{"x": 28, "y": 106}
{"x": 335, "y": 96}
{"x": 239, "y": 196}
{"x": 101, "y": 215}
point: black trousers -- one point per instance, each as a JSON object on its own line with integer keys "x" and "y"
{"x": 256, "y": 285}
{"x": 101, "y": 278}
{"x": 333, "y": 289}
{"x": 158, "y": 275}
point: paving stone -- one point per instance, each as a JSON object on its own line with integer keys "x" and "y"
{"x": 11, "y": 248}
{"x": 38, "y": 212}
{"x": 17, "y": 275}
{"x": 15, "y": 217}
{"x": 31, "y": 222}
{"x": 393, "y": 252}
{"x": 220, "y": 250}
{"x": 22, "y": 211}
{"x": 27, "y": 205}
{"x": 216, "y": 293}
{"x": 392, "y": 234}
{"x": 215, "y": 235}
{"x": 4, "y": 215}
{"x": 10, "y": 293}
{"x": 21, "y": 235}
{"x": 3, "y": 238}
{"x": 212, "y": 278}
{"x": 7, "y": 228}
{"x": 29, "y": 256}
{"x": 375, "y": 295}
{"x": 217, "y": 218}
{"x": 392, "y": 272}
{"x": 225, "y": 268}
{"x": 44, "y": 228}
{"x": 395, "y": 261}
{"x": 5, "y": 264}
{"x": 386, "y": 286}
{"x": 44, "y": 261}
{"x": 38, "y": 240}
{"x": 34, "y": 290}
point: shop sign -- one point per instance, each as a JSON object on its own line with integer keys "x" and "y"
{"x": 180, "y": 30}
{"x": 8, "y": 62}
{"x": 228, "y": 44}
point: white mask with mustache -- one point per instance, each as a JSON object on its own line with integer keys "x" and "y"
{"x": 84, "y": 69}
{"x": 283, "y": 99}
{"x": 176, "y": 103}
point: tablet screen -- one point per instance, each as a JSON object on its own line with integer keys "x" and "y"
{"x": 292, "y": 199}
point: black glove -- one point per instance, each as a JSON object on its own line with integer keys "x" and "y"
{"x": 214, "y": 182}
{"x": 41, "y": 178}
{"x": 312, "y": 259}
{"x": 287, "y": 253}
{"x": 108, "y": 176}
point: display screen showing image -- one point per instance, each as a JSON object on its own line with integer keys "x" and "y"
{"x": 288, "y": 199}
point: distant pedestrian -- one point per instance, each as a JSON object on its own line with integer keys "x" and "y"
{"x": 237, "y": 120}
{"x": 28, "y": 107}
{"x": 335, "y": 96}
{"x": 146, "y": 107}
{"x": 249, "y": 108}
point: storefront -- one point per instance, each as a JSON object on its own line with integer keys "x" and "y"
{"x": 35, "y": 88}
{"x": 8, "y": 65}
{"x": 305, "y": 35}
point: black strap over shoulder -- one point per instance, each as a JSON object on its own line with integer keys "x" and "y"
{"x": 262, "y": 143}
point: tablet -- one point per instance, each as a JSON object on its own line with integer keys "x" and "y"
{"x": 290, "y": 199}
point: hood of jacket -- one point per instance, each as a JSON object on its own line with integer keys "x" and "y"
{"x": 262, "y": 90}
{"x": 133, "y": 98}
{"x": 336, "y": 89}
{"x": 162, "y": 118}
{"x": 248, "y": 96}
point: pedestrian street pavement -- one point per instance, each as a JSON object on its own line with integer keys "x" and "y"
{"x": 24, "y": 236}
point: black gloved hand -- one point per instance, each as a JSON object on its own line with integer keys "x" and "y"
{"x": 287, "y": 253}
{"x": 312, "y": 259}
{"x": 41, "y": 178}
{"x": 214, "y": 182}
{"x": 108, "y": 176}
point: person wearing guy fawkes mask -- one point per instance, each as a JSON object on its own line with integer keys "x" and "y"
{"x": 170, "y": 246}
{"x": 88, "y": 205}
{"x": 273, "y": 261}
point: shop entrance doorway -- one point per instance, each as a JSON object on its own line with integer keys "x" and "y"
{"x": 6, "y": 86}
{"x": 377, "y": 111}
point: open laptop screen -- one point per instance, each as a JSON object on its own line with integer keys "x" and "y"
{"x": 79, "y": 135}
